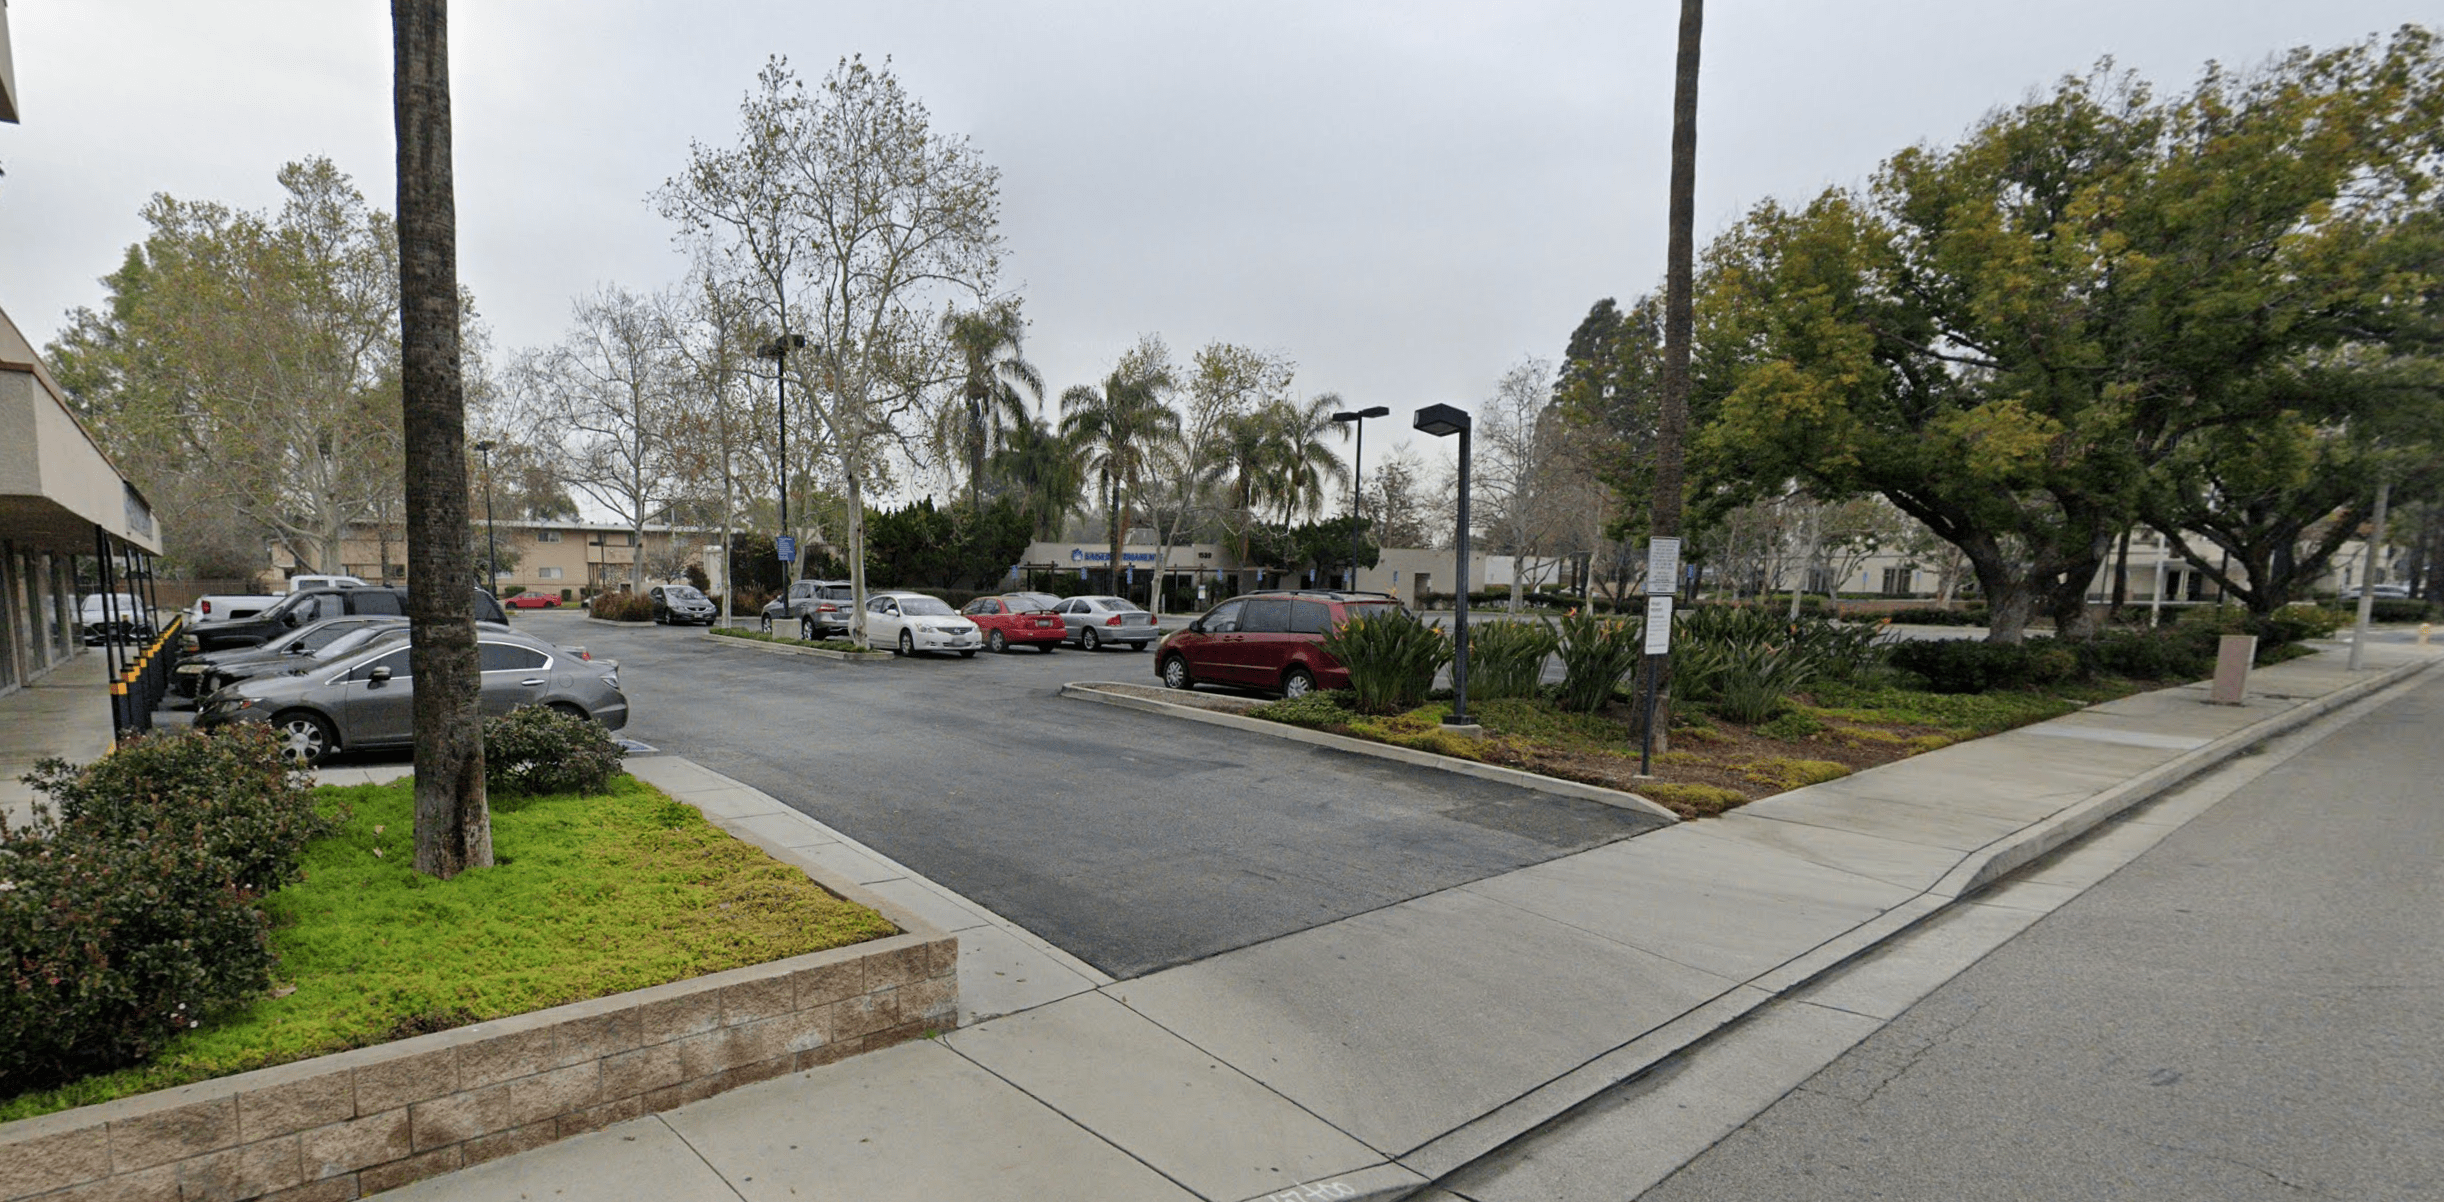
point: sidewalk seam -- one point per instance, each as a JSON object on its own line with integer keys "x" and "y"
{"x": 1073, "y": 1121}
{"x": 701, "y": 1158}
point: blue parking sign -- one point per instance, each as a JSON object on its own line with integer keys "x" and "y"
{"x": 788, "y": 547}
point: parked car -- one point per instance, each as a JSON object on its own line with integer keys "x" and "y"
{"x": 299, "y": 584}
{"x": 681, "y": 605}
{"x": 2381, "y": 592}
{"x": 366, "y": 700}
{"x": 1096, "y": 621}
{"x": 299, "y": 610}
{"x": 531, "y": 599}
{"x": 821, "y": 608}
{"x": 120, "y": 617}
{"x": 1017, "y": 619}
{"x": 1270, "y": 641}
{"x": 199, "y": 674}
{"x": 229, "y": 607}
{"x": 912, "y": 622}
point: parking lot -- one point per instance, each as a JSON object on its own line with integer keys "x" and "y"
{"x": 1130, "y": 840}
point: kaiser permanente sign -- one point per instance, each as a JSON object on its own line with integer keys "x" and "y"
{"x": 1186, "y": 557}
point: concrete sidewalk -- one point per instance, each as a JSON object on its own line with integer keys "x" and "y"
{"x": 1367, "y": 1057}
{"x": 65, "y": 713}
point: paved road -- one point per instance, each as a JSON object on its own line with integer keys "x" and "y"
{"x": 2252, "y": 1009}
{"x": 1131, "y": 841}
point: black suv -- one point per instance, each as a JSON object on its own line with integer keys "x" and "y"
{"x": 315, "y": 605}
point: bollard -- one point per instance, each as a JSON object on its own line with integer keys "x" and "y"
{"x": 2425, "y": 629}
{"x": 2233, "y": 656}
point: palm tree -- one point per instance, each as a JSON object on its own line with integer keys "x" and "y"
{"x": 1119, "y": 428}
{"x": 453, "y": 823}
{"x": 994, "y": 380}
{"x": 1307, "y": 466}
{"x": 1048, "y": 471}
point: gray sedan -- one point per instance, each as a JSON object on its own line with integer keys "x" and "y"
{"x": 1096, "y": 622}
{"x": 367, "y": 700}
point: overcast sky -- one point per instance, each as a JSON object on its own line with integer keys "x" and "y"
{"x": 1405, "y": 198}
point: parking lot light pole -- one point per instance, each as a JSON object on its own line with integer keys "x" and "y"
{"x": 1442, "y": 421}
{"x": 1357, "y": 473}
{"x": 778, "y": 350}
{"x": 492, "y": 546}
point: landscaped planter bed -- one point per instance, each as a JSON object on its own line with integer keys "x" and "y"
{"x": 624, "y": 956}
{"x": 756, "y": 640}
{"x": 1713, "y": 764}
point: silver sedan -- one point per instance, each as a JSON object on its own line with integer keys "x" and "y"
{"x": 1097, "y": 622}
{"x": 367, "y": 700}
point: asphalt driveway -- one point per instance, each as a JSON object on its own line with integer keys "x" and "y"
{"x": 1130, "y": 840}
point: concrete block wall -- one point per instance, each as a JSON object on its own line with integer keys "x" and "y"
{"x": 342, "y": 1126}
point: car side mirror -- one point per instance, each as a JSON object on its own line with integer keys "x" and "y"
{"x": 290, "y": 619}
{"x": 1197, "y": 627}
{"x": 380, "y": 675}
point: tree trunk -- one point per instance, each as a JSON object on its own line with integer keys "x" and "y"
{"x": 453, "y": 824}
{"x": 2009, "y": 599}
{"x": 1679, "y": 276}
{"x": 1119, "y": 532}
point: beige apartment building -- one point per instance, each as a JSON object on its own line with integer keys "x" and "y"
{"x": 568, "y": 559}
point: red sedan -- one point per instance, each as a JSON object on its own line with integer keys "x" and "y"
{"x": 1017, "y": 619}
{"x": 533, "y": 600}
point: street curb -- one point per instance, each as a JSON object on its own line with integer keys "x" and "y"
{"x": 1086, "y": 690}
{"x": 852, "y": 657}
{"x": 1481, "y": 1136}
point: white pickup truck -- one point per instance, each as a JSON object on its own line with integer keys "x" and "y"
{"x": 229, "y": 607}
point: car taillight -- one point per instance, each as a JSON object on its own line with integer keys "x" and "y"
{"x": 827, "y": 609}
{"x": 207, "y": 608}
{"x": 1115, "y": 620}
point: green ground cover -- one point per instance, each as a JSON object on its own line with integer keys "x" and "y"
{"x": 591, "y": 895}
{"x": 825, "y": 644}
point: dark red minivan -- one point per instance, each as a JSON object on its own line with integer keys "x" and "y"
{"x": 1265, "y": 641}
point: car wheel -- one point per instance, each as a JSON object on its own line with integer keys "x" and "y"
{"x": 1298, "y": 683}
{"x": 304, "y": 738}
{"x": 806, "y": 630}
{"x": 996, "y": 644}
{"x": 1088, "y": 639}
{"x": 1175, "y": 674}
{"x": 765, "y": 623}
{"x": 907, "y": 644}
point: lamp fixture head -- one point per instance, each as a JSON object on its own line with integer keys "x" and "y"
{"x": 1443, "y": 421}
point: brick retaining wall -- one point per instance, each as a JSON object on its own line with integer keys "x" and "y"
{"x": 340, "y": 1126}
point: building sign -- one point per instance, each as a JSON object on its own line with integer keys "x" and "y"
{"x": 1082, "y": 555}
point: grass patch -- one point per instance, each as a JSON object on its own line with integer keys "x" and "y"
{"x": 1692, "y": 801}
{"x": 1961, "y": 715}
{"x": 592, "y": 895}
{"x": 732, "y": 632}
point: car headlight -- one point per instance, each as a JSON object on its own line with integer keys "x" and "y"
{"x": 611, "y": 678}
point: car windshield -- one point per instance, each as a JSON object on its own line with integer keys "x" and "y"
{"x": 926, "y": 607}
{"x": 1037, "y": 601}
{"x": 684, "y": 592}
{"x": 354, "y": 639}
{"x": 1021, "y": 604}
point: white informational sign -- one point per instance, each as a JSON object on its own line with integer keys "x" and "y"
{"x": 1663, "y": 565}
{"x": 1659, "y": 625}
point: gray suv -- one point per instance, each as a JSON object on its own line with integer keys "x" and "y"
{"x": 366, "y": 699}
{"x": 821, "y": 608}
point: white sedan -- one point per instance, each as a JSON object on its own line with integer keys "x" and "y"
{"x": 911, "y": 622}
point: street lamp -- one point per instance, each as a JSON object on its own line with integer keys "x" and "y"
{"x": 778, "y": 350}
{"x": 492, "y": 546}
{"x": 1357, "y": 472}
{"x": 1443, "y": 421}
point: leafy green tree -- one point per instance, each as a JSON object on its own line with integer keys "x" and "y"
{"x": 1045, "y": 471}
{"x": 247, "y": 363}
{"x": 2010, "y": 338}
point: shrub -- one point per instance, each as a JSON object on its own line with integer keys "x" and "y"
{"x": 226, "y": 791}
{"x": 620, "y": 607}
{"x": 1928, "y": 615}
{"x": 1595, "y": 654}
{"x": 1506, "y": 659}
{"x": 2293, "y": 623}
{"x": 2181, "y": 652}
{"x": 1747, "y": 661}
{"x": 2394, "y": 609}
{"x": 1970, "y": 666}
{"x": 131, "y": 913}
{"x": 1321, "y": 708}
{"x": 1791, "y": 726}
{"x": 535, "y": 749}
{"x": 1392, "y": 658}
